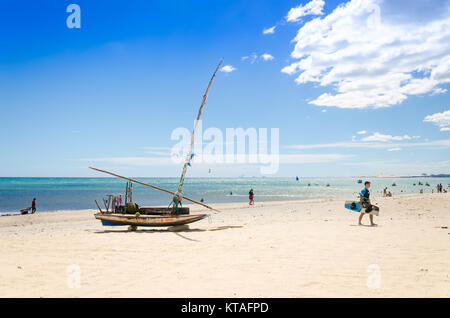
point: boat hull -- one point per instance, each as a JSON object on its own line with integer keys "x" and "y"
{"x": 111, "y": 219}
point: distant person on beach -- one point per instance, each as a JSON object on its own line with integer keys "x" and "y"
{"x": 364, "y": 198}
{"x": 33, "y": 205}
{"x": 385, "y": 192}
{"x": 250, "y": 196}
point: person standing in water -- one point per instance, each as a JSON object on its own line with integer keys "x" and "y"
{"x": 364, "y": 199}
{"x": 250, "y": 196}
{"x": 33, "y": 205}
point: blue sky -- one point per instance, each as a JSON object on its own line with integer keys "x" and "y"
{"x": 110, "y": 93}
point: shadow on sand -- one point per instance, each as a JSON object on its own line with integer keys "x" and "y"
{"x": 167, "y": 230}
{"x": 174, "y": 230}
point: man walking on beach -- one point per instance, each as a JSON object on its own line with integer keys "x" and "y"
{"x": 33, "y": 206}
{"x": 364, "y": 199}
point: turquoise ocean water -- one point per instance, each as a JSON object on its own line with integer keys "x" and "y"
{"x": 79, "y": 193}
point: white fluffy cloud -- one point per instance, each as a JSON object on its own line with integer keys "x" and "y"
{"x": 314, "y": 7}
{"x": 270, "y": 30}
{"x": 362, "y": 132}
{"x": 228, "y": 69}
{"x": 384, "y": 138}
{"x": 440, "y": 119}
{"x": 253, "y": 58}
{"x": 375, "y": 53}
{"x": 267, "y": 57}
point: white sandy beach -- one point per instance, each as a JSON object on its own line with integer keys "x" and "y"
{"x": 277, "y": 249}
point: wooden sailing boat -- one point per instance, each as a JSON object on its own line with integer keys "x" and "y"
{"x": 174, "y": 214}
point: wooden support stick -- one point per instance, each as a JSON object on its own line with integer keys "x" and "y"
{"x": 98, "y": 206}
{"x": 106, "y": 205}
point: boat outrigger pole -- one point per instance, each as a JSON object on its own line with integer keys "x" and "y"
{"x": 178, "y": 196}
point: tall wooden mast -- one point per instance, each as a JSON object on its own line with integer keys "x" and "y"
{"x": 177, "y": 197}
